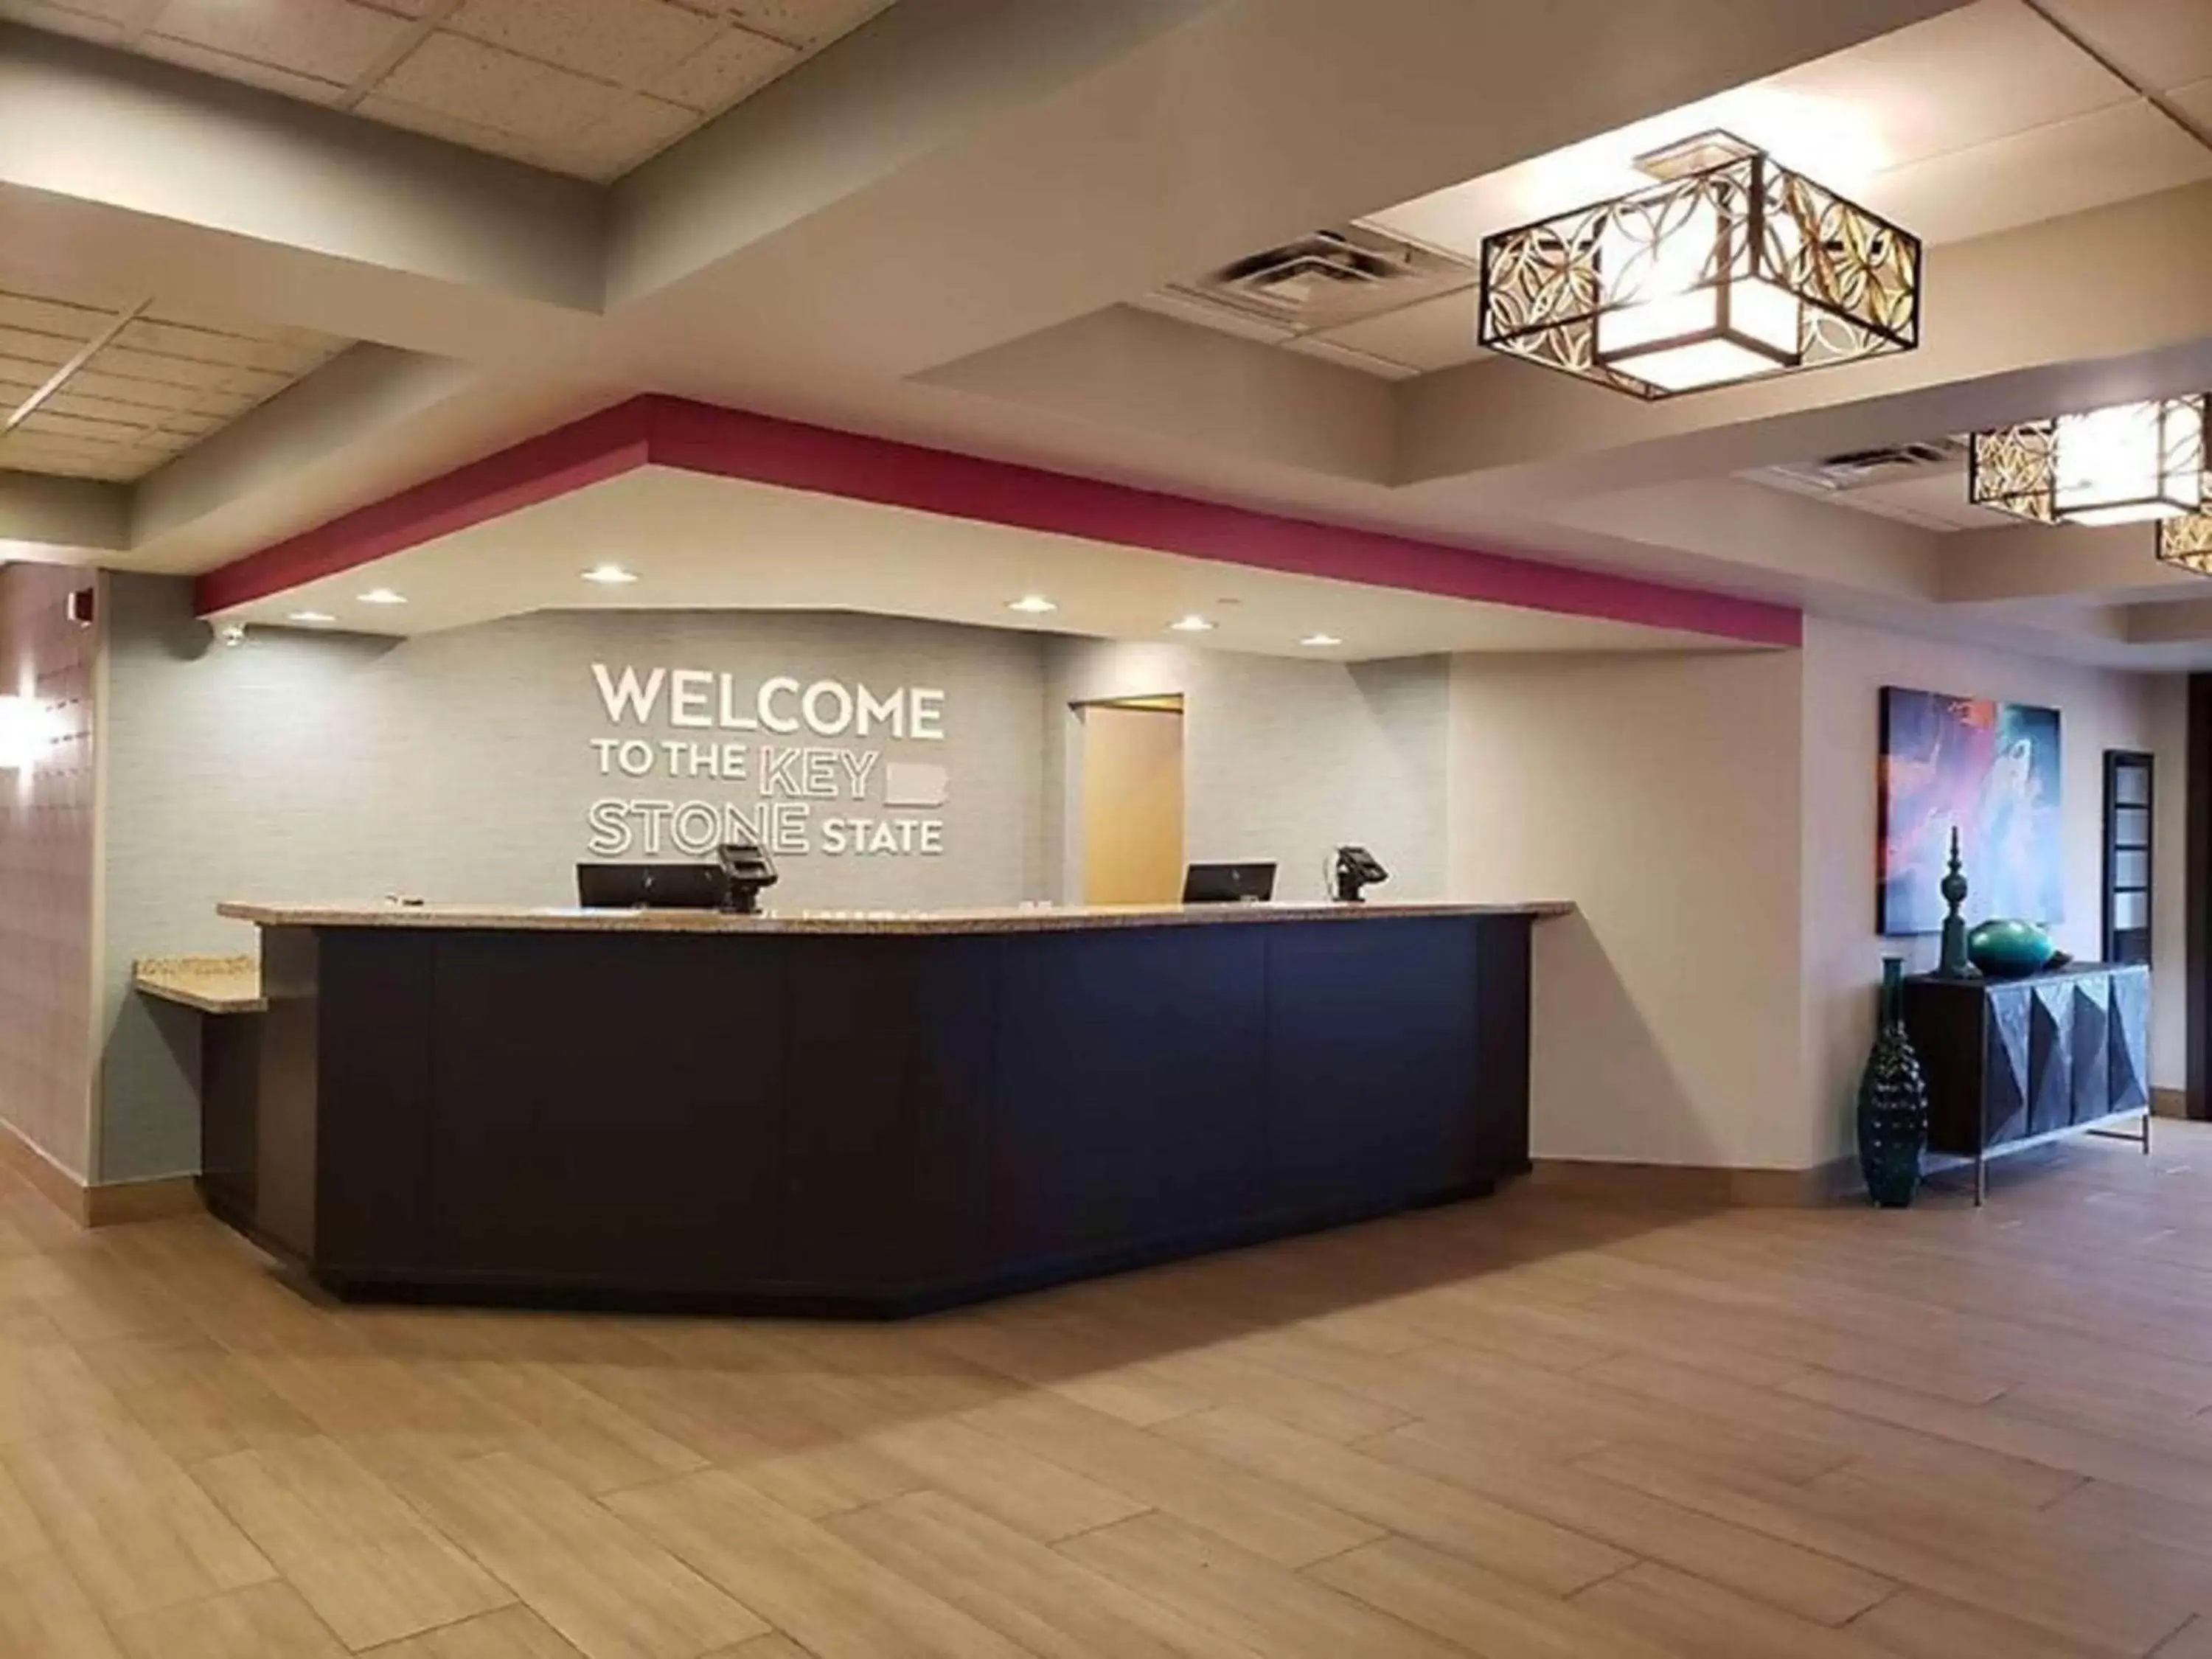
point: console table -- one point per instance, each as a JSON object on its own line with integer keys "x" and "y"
{"x": 2015, "y": 1063}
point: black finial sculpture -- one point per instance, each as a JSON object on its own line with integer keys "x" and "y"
{"x": 1953, "y": 963}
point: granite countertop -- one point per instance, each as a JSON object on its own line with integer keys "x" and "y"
{"x": 213, "y": 985}
{"x": 1008, "y": 919}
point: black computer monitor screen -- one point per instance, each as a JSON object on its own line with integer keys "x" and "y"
{"x": 650, "y": 887}
{"x": 1228, "y": 883}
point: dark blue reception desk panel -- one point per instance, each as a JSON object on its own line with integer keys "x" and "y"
{"x": 852, "y": 1123}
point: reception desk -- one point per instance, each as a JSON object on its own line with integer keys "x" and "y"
{"x": 850, "y": 1114}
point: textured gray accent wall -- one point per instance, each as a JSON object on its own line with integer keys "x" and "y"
{"x": 49, "y": 855}
{"x": 459, "y": 766}
{"x": 1282, "y": 759}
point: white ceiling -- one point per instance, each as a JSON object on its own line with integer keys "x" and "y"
{"x": 589, "y": 88}
{"x": 1975, "y": 121}
{"x": 1929, "y": 498}
{"x": 164, "y": 380}
{"x": 818, "y": 255}
{"x": 696, "y": 541}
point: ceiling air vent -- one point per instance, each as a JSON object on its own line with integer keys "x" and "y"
{"x": 1327, "y": 279}
{"x": 1858, "y": 469}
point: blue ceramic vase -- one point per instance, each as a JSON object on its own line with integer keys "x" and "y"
{"x": 2010, "y": 950}
{"x": 1892, "y": 1113}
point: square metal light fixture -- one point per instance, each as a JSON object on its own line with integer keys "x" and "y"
{"x": 1731, "y": 268}
{"x": 2186, "y": 543}
{"x": 2121, "y": 464}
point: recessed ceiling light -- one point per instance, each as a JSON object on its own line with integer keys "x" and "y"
{"x": 1321, "y": 640}
{"x": 1032, "y": 604}
{"x": 310, "y": 619}
{"x": 609, "y": 575}
{"x": 1192, "y": 623}
{"x": 383, "y": 596}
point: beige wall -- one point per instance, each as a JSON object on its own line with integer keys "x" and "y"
{"x": 1284, "y": 759}
{"x": 1659, "y": 792}
{"x": 47, "y": 819}
{"x": 1844, "y": 669}
{"x": 1715, "y": 819}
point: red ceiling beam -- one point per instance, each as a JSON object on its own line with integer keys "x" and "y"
{"x": 653, "y": 430}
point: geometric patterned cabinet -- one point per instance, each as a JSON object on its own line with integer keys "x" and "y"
{"x": 2013, "y": 1063}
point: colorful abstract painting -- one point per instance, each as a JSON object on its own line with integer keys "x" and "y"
{"x": 1990, "y": 769}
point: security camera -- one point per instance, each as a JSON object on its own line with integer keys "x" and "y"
{"x": 229, "y": 634}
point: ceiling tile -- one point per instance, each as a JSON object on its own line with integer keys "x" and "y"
{"x": 1979, "y": 75}
{"x": 636, "y": 128}
{"x": 1437, "y": 333}
{"x": 1313, "y": 345}
{"x": 1189, "y": 308}
{"x": 180, "y": 428}
{"x": 538, "y": 80}
{"x": 58, "y": 425}
{"x": 497, "y": 90}
{"x": 804, "y": 22}
{"x": 19, "y": 379}
{"x": 438, "y": 124}
{"x": 2164, "y": 44}
{"x": 183, "y": 371}
{"x": 2194, "y": 100}
{"x": 734, "y": 64}
{"x": 61, "y": 19}
{"x": 169, "y": 378}
{"x": 2070, "y": 166}
{"x": 69, "y": 401}
{"x": 330, "y": 39}
{"x": 126, "y": 15}
{"x": 30, "y": 452}
{"x": 1981, "y": 72}
{"x": 1935, "y": 496}
{"x": 632, "y": 41}
{"x": 24, "y": 346}
{"x": 42, "y": 315}
{"x": 267, "y": 77}
{"x": 209, "y": 346}
{"x": 165, "y": 310}
{"x": 157, "y": 395}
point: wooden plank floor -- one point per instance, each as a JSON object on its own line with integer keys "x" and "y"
{"x": 1536, "y": 1428}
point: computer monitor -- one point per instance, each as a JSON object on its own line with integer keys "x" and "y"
{"x": 650, "y": 887}
{"x": 1228, "y": 883}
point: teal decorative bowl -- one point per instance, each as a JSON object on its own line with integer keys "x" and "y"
{"x": 2010, "y": 950}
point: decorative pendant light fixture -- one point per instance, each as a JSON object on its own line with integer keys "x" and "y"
{"x": 2123, "y": 465}
{"x": 1731, "y": 268}
{"x": 2186, "y": 543}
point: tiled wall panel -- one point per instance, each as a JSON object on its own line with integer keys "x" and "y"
{"x": 46, "y": 861}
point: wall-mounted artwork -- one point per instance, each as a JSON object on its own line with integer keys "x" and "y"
{"x": 1992, "y": 768}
